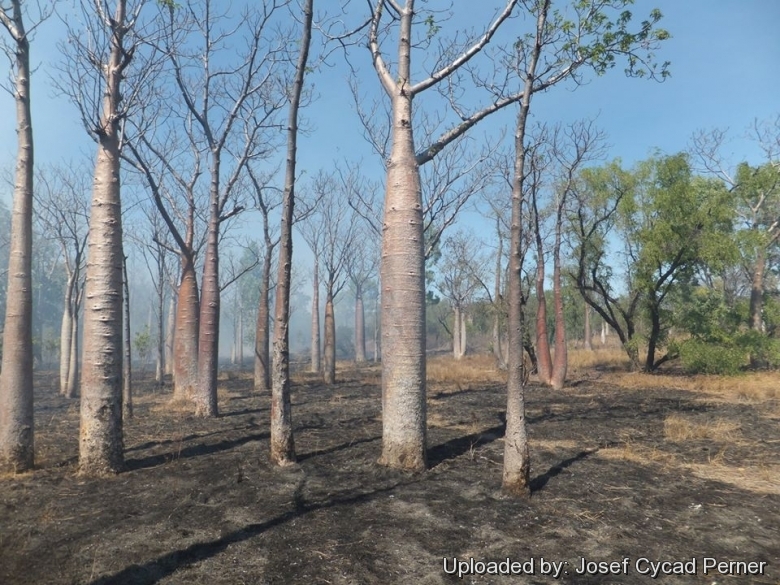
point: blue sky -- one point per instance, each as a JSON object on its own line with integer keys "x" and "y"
{"x": 724, "y": 56}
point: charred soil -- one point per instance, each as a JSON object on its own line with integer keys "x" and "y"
{"x": 656, "y": 473}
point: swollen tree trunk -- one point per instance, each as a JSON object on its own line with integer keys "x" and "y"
{"x": 544, "y": 364}
{"x": 517, "y": 463}
{"x": 185, "y": 337}
{"x": 315, "y": 320}
{"x": 282, "y": 444}
{"x": 127, "y": 368}
{"x": 588, "y": 332}
{"x": 16, "y": 374}
{"x": 402, "y": 274}
{"x": 262, "y": 364}
{"x": 329, "y": 372}
{"x": 560, "y": 365}
{"x": 205, "y": 397}
{"x": 101, "y": 439}
{"x": 360, "y": 328}
{"x": 66, "y": 335}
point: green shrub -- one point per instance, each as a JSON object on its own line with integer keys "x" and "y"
{"x": 700, "y": 357}
{"x": 762, "y": 349}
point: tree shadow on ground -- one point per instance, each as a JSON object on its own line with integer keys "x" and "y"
{"x": 538, "y": 483}
{"x": 191, "y": 451}
{"x": 460, "y": 445}
{"x": 336, "y": 448}
{"x": 166, "y": 565}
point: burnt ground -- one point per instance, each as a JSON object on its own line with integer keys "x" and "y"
{"x": 200, "y": 503}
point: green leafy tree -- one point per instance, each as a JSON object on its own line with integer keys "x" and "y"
{"x": 666, "y": 222}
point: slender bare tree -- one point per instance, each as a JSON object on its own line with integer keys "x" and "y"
{"x": 266, "y": 202}
{"x": 459, "y": 278}
{"x": 62, "y": 200}
{"x": 282, "y": 443}
{"x": 558, "y": 48}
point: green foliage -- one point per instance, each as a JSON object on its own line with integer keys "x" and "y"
{"x": 143, "y": 344}
{"x": 433, "y": 28}
{"x": 700, "y": 357}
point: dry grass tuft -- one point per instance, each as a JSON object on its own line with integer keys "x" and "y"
{"x": 471, "y": 369}
{"x": 603, "y": 359}
{"x": 762, "y": 480}
{"x": 636, "y": 454}
{"x": 756, "y": 479}
{"x": 678, "y": 429}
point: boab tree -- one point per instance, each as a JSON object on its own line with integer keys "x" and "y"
{"x": 403, "y": 241}
{"x": 104, "y": 73}
{"x": 61, "y": 197}
{"x": 16, "y": 383}
{"x": 459, "y": 278}
{"x": 219, "y": 88}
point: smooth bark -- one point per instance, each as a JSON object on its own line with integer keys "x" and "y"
{"x": 329, "y": 350}
{"x": 101, "y": 449}
{"x": 316, "y": 365}
{"x": 262, "y": 380}
{"x": 588, "y": 337}
{"x": 360, "y": 328}
{"x": 17, "y": 442}
{"x": 185, "y": 337}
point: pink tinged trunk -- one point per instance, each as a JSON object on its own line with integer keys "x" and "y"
{"x": 544, "y": 364}
{"x": 603, "y": 334}
{"x": 560, "y": 365}
{"x": 185, "y": 337}
{"x": 315, "y": 321}
{"x": 329, "y": 372}
{"x": 205, "y": 397}
{"x": 360, "y": 330}
{"x": 16, "y": 374}
{"x": 262, "y": 364}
